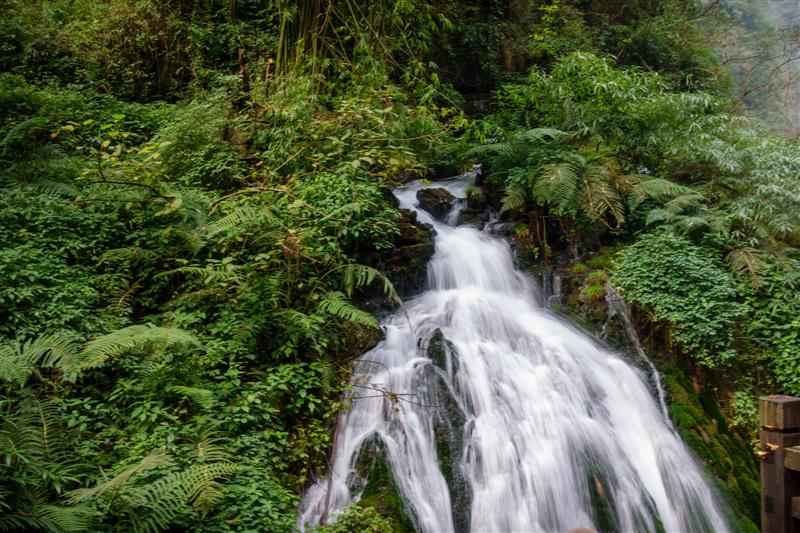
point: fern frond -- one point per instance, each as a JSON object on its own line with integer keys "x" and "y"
{"x": 13, "y": 367}
{"x": 122, "y": 299}
{"x": 326, "y": 369}
{"x": 749, "y": 261}
{"x": 33, "y": 513}
{"x": 601, "y": 198}
{"x": 128, "y": 253}
{"x": 660, "y": 189}
{"x": 18, "y": 362}
{"x": 202, "y": 294}
{"x": 202, "y": 397}
{"x": 538, "y": 135}
{"x": 242, "y": 218}
{"x": 515, "y": 197}
{"x": 336, "y": 304}
{"x": 100, "y": 349}
{"x": 559, "y": 183}
{"x": 503, "y": 149}
{"x": 657, "y": 216}
{"x": 53, "y": 187}
{"x": 684, "y": 202}
{"x": 356, "y": 276}
{"x": 115, "y": 484}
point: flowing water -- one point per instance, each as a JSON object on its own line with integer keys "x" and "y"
{"x": 495, "y": 415}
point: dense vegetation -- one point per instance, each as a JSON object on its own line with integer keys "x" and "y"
{"x": 193, "y": 195}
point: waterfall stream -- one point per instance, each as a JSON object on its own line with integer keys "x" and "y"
{"x": 548, "y": 430}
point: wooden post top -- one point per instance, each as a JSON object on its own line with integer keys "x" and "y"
{"x": 778, "y": 412}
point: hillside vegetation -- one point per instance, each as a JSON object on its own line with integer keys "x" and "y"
{"x": 194, "y": 195}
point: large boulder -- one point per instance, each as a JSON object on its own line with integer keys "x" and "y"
{"x": 438, "y": 202}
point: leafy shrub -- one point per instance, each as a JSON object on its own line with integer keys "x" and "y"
{"x": 196, "y": 150}
{"x": 685, "y": 286}
{"x": 357, "y": 518}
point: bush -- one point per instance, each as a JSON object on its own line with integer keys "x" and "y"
{"x": 685, "y": 286}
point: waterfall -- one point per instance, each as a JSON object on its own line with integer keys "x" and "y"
{"x": 618, "y": 307}
{"x": 550, "y": 430}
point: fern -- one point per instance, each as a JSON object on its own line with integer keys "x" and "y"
{"x": 116, "y": 484}
{"x": 241, "y": 219}
{"x": 153, "y": 504}
{"x": 202, "y": 397}
{"x": 140, "y": 337}
{"x": 515, "y": 197}
{"x": 33, "y": 513}
{"x": 750, "y": 261}
{"x": 18, "y": 361}
{"x": 128, "y": 253}
{"x": 336, "y": 304}
{"x": 659, "y": 189}
{"x": 355, "y": 276}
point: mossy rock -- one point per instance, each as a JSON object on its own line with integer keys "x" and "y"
{"x": 726, "y": 454}
{"x": 380, "y": 489}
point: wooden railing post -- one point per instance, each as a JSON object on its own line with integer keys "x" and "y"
{"x": 780, "y": 479}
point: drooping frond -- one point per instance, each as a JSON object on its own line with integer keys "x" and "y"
{"x": 560, "y": 184}
{"x": 202, "y": 397}
{"x": 153, "y": 504}
{"x": 35, "y": 514}
{"x": 140, "y": 337}
{"x": 242, "y": 218}
{"x": 502, "y": 149}
{"x": 355, "y": 276}
{"x": 13, "y": 367}
{"x": 748, "y": 261}
{"x": 128, "y": 253}
{"x": 149, "y": 462}
{"x": 167, "y": 498}
{"x": 600, "y": 197}
{"x": 53, "y": 187}
{"x": 122, "y": 298}
{"x": 659, "y": 189}
{"x": 336, "y": 304}
{"x": 538, "y": 135}
{"x": 515, "y": 197}
{"x": 210, "y": 274}
{"x": 19, "y": 361}
{"x": 684, "y": 202}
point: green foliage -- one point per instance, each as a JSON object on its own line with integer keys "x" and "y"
{"x": 745, "y": 411}
{"x": 213, "y": 249}
{"x": 357, "y": 518}
{"x": 773, "y": 326}
{"x": 196, "y": 151}
{"x": 685, "y": 286}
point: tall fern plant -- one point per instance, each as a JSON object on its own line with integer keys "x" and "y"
{"x": 548, "y": 172}
{"x": 38, "y": 463}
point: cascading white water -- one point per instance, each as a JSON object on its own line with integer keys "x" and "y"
{"x": 552, "y": 431}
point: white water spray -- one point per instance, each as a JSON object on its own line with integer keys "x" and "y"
{"x": 551, "y": 431}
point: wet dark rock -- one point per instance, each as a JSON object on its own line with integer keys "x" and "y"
{"x": 411, "y": 231}
{"x": 474, "y": 217}
{"x": 380, "y": 490}
{"x": 448, "y": 426}
{"x": 441, "y": 171}
{"x": 476, "y": 199}
{"x": 436, "y": 201}
{"x": 405, "y": 264}
{"x": 387, "y": 193}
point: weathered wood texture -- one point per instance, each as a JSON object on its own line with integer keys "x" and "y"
{"x": 780, "y": 464}
{"x": 779, "y": 412}
{"x": 791, "y": 459}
